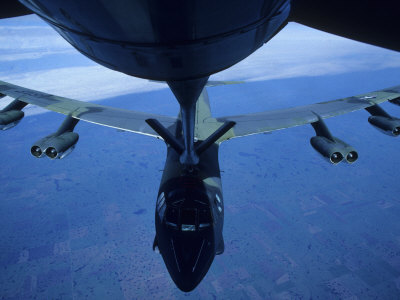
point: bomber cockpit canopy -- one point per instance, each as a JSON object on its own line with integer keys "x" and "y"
{"x": 184, "y": 211}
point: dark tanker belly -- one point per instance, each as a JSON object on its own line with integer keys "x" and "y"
{"x": 165, "y": 40}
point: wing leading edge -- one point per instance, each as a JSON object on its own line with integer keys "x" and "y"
{"x": 268, "y": 121}
{"x": 127, "y": 120}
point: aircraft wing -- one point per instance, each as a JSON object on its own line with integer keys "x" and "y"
{"x": 127, "y": 120}
{"x": 285, "y": 118}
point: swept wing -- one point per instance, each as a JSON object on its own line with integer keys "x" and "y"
{"x": 272, "y": 120}
{"x": 127, "y": 120}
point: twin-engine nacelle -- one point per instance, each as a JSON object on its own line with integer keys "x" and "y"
{"x": 334, "y": 150}
{"x": 384, "y": 122}
{"x": 12, "y": 114}
{"x": 330, "y": 147}
{"x": 55, "y": 146}
{"x": 387, "y": 125}
{"x": 59, "y": 144}
{"x": 9, "y": 119}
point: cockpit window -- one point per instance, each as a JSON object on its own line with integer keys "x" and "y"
{"x": 204, "y": 218}
{"x": 218, "y": 203}
{"x": 188, "y": 218}
{"x": 186, "y": 210}
{"x": 171, "y": 217}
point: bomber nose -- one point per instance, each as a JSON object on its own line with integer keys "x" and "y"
{"x": 186, "y": 285}
{"x": 188, "y": 254}
{"x": 193, "y": 259}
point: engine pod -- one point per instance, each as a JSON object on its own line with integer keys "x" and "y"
{"x": 386, "y": 125}
{"x": 60, "y": 146}
{"x": 11, "y": 118}
{"x": 329, "y": 149}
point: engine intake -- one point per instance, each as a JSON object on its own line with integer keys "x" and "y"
{"x": 39, "y": 147}
{"x": 36, "y": 151}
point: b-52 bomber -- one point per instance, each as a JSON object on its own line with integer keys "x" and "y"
{"x": 183, "y": 43}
